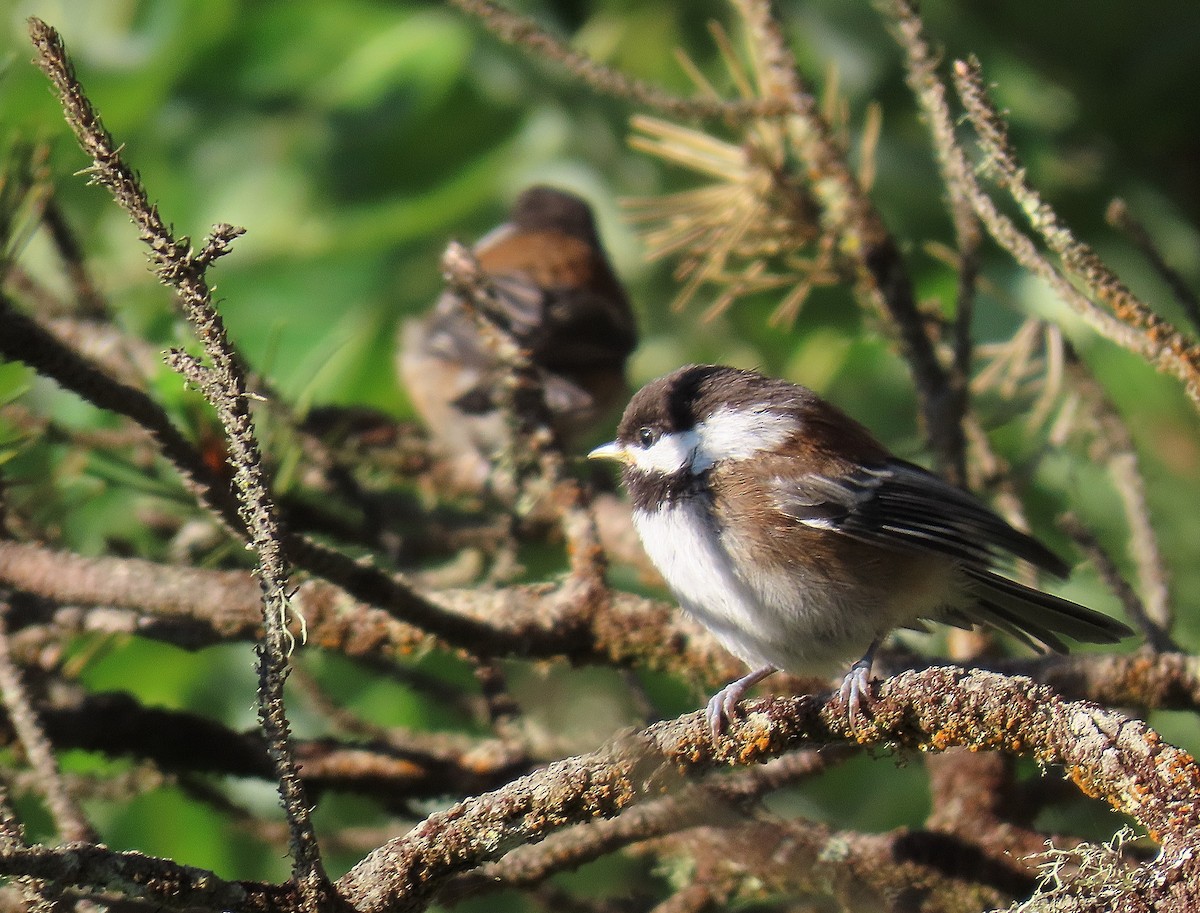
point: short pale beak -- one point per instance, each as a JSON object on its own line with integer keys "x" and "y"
{"x": 610, "y": 451}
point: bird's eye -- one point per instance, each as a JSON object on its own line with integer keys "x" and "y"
{"x": 647, "y": 436}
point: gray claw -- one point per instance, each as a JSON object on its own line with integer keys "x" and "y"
{"x": 856, "y": 693}
{"x": 723, "y": 708}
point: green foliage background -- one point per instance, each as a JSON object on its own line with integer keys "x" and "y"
{"x": 353, "y": 139}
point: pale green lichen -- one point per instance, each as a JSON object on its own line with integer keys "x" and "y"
{"x": 1096, "y": 870}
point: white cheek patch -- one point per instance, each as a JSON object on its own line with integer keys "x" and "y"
{"x": 668, "y": 455}
{"x": 730, "y": 434}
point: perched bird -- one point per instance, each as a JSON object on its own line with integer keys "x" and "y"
{"x": 793, "y": 535}
{"x": 559, "y": 299}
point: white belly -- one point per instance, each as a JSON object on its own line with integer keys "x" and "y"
{"x": 780, "y": 619}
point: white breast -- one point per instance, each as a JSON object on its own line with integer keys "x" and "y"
{"x": 781, "y": 620}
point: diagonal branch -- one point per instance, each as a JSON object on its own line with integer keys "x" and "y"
{"x": 137, "y": 876}
{"x": 719, "y": 797}
{"x": 1120, "y": 216}
{"x": 930, "y": 92}
{"x": 1151, "y": 337}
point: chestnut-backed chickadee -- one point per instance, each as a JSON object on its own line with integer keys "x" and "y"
{"x": 784, "y": 527}
{"x": 560, "y": 301}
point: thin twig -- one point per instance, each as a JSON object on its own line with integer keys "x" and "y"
{"x": 846, "y": 204}
{"x": 1115, "y": 445}
{"x": 523, "y": 402}
{"x": 930, "y": 91}
{"x": 1119, "y": 215}
{"x": 184, "y": 271}
{"x": 503, "y": 711}
{"x": 1158, "y": 638}
{"x": 69, "y": 817}
{"x": 526, "y": 34}
{"x": 1161, "y": 344}
{"x": 1151, "y": 337}
{"x": 1125, "y": 469}
{"x": 88, "y": 299}
{"x": 1023, "y": 250}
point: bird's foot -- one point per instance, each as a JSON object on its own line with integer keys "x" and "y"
{"x": 855, "y": 693}
{"x": 723, "y": 706}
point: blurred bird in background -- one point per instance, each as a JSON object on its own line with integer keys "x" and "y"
{"x": 559, "y": 300}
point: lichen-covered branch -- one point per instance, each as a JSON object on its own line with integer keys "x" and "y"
{"x": 1109, "y": 756}
{"x": 209, "y": 606}
{"x": 718, "y": 798}
{"x": 1119, "y": 215}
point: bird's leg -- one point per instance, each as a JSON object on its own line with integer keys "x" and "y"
{"x": 856, "y": 686}
{"x": 723, "y": 706}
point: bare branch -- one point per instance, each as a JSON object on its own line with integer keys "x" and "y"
{"x": 179, "y": 269}
{"x": 1156, "y": 340}
{"x": 1158, "y": 638}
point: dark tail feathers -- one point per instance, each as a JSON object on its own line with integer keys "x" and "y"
{"x": 1034, "y": 617}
